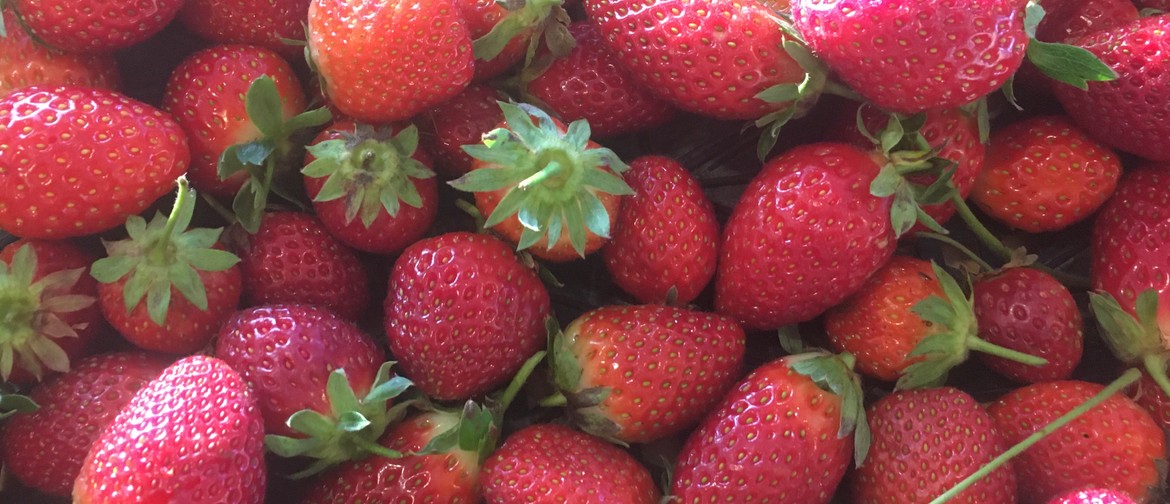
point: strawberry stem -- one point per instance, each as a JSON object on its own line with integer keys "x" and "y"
{"x": 989, "y": 240}
{"x": 981, "y": 345}
{"x": 957, "y": 246}
{"x": 518, "y": 382}
{"x": 1125, "y": 380}
{"x": 554, "y": 401}
{"x": 1155, "y": 366}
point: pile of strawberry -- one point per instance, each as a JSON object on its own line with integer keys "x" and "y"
{"x": 584, "y": 251}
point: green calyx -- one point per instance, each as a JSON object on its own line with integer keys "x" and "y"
{"x": 373, "y": 170}
{"x": 584, "y": 406}
{"x": 1072, "y": 65}
{"x": 956, "y": 334}
{"x": 546, "y": 20}
{"x": 161, "y": 255}
{"x": 30, "y": 315}
{"x": 908, "y": 154}
{"x": 551, "y": 177}
{"x": 13, "y": 404}
{"x": 793, "y": 100}
{"x": 1134, "y": 340}
{"x": 834, "y": 373}
{"x": 350, "y": 430}
{"x": 268, "y": 158}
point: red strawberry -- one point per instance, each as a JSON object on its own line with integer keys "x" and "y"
{"x": 194, "y": 435}
{"x": 104, "y": 181}
{"x": 460, "y": 121}
{"x": 640, "y": 373}
{"x": 503, "y": 32}
{"x": 1069, "y": 19}
{"x": 381, "y": 175}
{"x": 95, "y": 26}
{"x": 924, "y": 443}
{"x": 45, "y": 448}
{"x": 1115, "y": 445}
{"x": 778, "y": 436}
{"x": 1094, "y": 496}
{"x": 479, "y": 316}
{"x": 24, "y": 62}
{"x": 292, "y": 259}
{"x": 1149, "y": 395}
{"x": 50, "y": 315}
{"x": 1028, "y": 310}
{"x": 349, "y": 42}
{"x": 254, "y": 22}
{"x": 590, "y": 83}
{"x": 1044, "y": 174}
{"x": 768, "y": 276}
{"x": 666, "y": 235}
{"x": 168, "y": 288}
{"x": 544, "y": 185}
{"x": 549, "y": 463}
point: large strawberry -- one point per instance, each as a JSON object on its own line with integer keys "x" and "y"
{"x": 63, "y": 174}
{"x": 264, "y": 23}
{"x": 45, "y": 448}
{"x": 194, "y": 434}
{"x": 387, "y": 60}
{"x": 96, "y": 26}
{"x": 463, "y": 314}
{"x": 25, "y": 62}
{"x": 460, "y": 121}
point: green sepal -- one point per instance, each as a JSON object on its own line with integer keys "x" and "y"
{"x": 790, "y": 339}
{"x": 566, "y": 369}
{"x": 799, "y": 99}
{"x": 1072, "y": 65}
{"x": 262, "y": 102}
{"x": 834, "y": 373}
{"x": 1130, "y": 338}
{"x": 12, "y": 404}
{"x": 533, "y": 16}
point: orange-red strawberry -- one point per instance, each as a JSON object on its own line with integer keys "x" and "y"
{"x": 460, "y": 121}
{"x": 25, "y": 62}
{"x": 255, "y": 22}
{"x": 95, "y": 26}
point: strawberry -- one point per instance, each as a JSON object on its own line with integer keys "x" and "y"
{"x": 349, "y": 42}
{"x": 590, "y": 83}
{"x": 549, "y": 463}
{"x": 545, "y": 186}
{"x": 1093, "y": 496}
{"x": 1028, "y": 310}
{"x": 95, "y": 26}
{"x": 45, "y": 449}
{"x": 263, "y": 23}
{"x": 479, "y": 316}
{"x": 24, "y": 62}
{"x": 190, "y": 284}
{"x": 1069, "y": 19}
{"x": 504, "y": 31}
{"x": 1115, "y": 445}
{"x": 1045, "y": 174}
{"x": 319, "y": 381}
{"x": 380, "y": 174}
{"x": 49, "y": 315}
{"x": 194, "y": 434}
{"x": 1147, "y": 393}
{"x": 640, "y": 373}
{"x": 925, "y": 442}
{"x": 103, "y": 181}
{"x": 293, "y": 259}
{"x": 767, "y": 276}
{"x": 778, "y": 436}
{"x": 460, "y": 121}
{"x": 665, "y": 239}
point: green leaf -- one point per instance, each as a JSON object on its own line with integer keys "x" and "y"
{"x": 211, "y": 259}
{"x": 607, "y": 182}
{"x": 341, "y": 395}
{"x": 158, "y": 300}
{"x": 528, "y": 238}
{"x": 790, "y": 339}
{"x": 24, "y": 265}
{"x": 49, "y": 353}
{"x": 406, "y": 141}
{"x": 474, "y": 428}
{"x": 200, "y": 238}
{"x": 1072, "y": 65}
{"x": 935, "y": 310}
{"x": 567, "y": 369}
{"x": 1009, "y": 92}
{"x": 288, "y": 447}
{"x": 576, "y": 224}
{"x": 1146, "y": 308}
{"x": 508, "y": 206}
{"x": 263, "y": 105}
{"x": 596, "y": 216}
{"x": 487, "y": 179}
{"x": 334, "y": 188}
{"x": 111, "y": 269}
{"x": 519, "y": 120}
{"x": 441, "y": 443}
{"x": 578, "y": 133}
{"x": 255, "y": 153}
{"x": 134, "y": 290}
{"x": 1033, "y": 14}
{"x": 352, "y": 421}
{"x": 188, "y": 283}
{"x": 15, "y": 403}
{"x": 487, "y": 47}
{"x": 310, "y": 422}
{"x": 388, "y": 390}
{"x": 308, "y": 119}
{"x": 229, "y": 163}
{"x": 903, "y": 210}
{"x": 248, "y": 206}
{"x": 780, "y": 93}
{"x": 886, "y": 183}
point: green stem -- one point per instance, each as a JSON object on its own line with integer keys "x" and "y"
{"x": 551, "y": 169}
{"x": 980, "y": 345}
{"x": 1155, "y": 366}
{"x": 554, "y": 401}
{"x": 177, "y": 209}
{"x": 375, "y": 448}
{"x": 957, "y": 246}
{"x": 979, "y": 229}
{"x": 838, "y": 89}
{"x": 1120, "y": 383}
{"x": 518, "y": 382}
{"x": 470, "y": 209}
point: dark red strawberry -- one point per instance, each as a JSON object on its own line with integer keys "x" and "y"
{"x": 1069, "y": 19}
{"x": 255, "y": 22}
{"x": 463, "y": 314}
{"x": 95, "y": 26}
{"x": 1094, "y": 496}
{"x": 45, "y": 449}
{"x": 24, "y": 62}
{"x": 460, "y": 121}
{"x": 62, "y": 174}
{"x": 194, "y": 434}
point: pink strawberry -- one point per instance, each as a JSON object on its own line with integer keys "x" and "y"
{"x": 460, "y": 121}
{"x": 255, "y": 22}
{"x": 95, "y": 26}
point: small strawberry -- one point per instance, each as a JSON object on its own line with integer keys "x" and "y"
{"x": 666, "y": 237}
{"x": 503, "y": 32}
{"x": 462, "y": 314}
{"x": 1044, "y": 174}
{"x": 25, "y": 62}
{"x": 460, "y": 121}
{"x": 1114, "y": 445}
{"x": 45, "y": 449}
{"x": 264, "y": 23}
{"x": 194, "y": 434}
{"x": 924, "y": 443}
{"x": 62, "y": 174}
{"x": 349, "y": 42}
{"x": 545, "y": 186}
{"x": 381, "y": 175}
{"x": 554, "y": 464}
{"x": 168, "y": 288}
{"x": 95, "y": 26}
{"x": 1093, "y": 496}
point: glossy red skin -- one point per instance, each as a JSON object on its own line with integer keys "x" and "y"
{"x": 254, "y": 22}
{"x": 925, "y": 442}
{"x": 286, "y": 353}
{"x": 1094, "y": 496}
{"x": 1069, "y": 19}
{"x": 1149, "y": 395}
{"x": 919, "y": 55}
{"x": 591, "y": 83}
{"x": 386, "y": 235}
{"x": 665, "y": 367}
{"x": 45, "y": 449}
{"x": 24, "y": 63}
{"x": 768, "y": 275}
{"x": 96, "y": 26}
{"x": 460, "y": 121}
{"x": 349, "y": 41}
{"x": 1028, "y": 310}
{"x": 481, "y": 16}
{"x": 192, "y": 435}
{"x": 1127, "y": 113}
{"x": 462, "y": 314}
{"x": 452, "y": 478}
{"x": 293, "y": 259}
{"x": 554, "y": 464}
{"x": 1045, "y": 174}
{"x": 666, "y": 234}
{"x": 779, "y": 430}
{"x": 103, "y": 182}
{"x": 684, "y": 51}
{"x": 206, "y": 95}
{"x": 1114, "y": 445}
